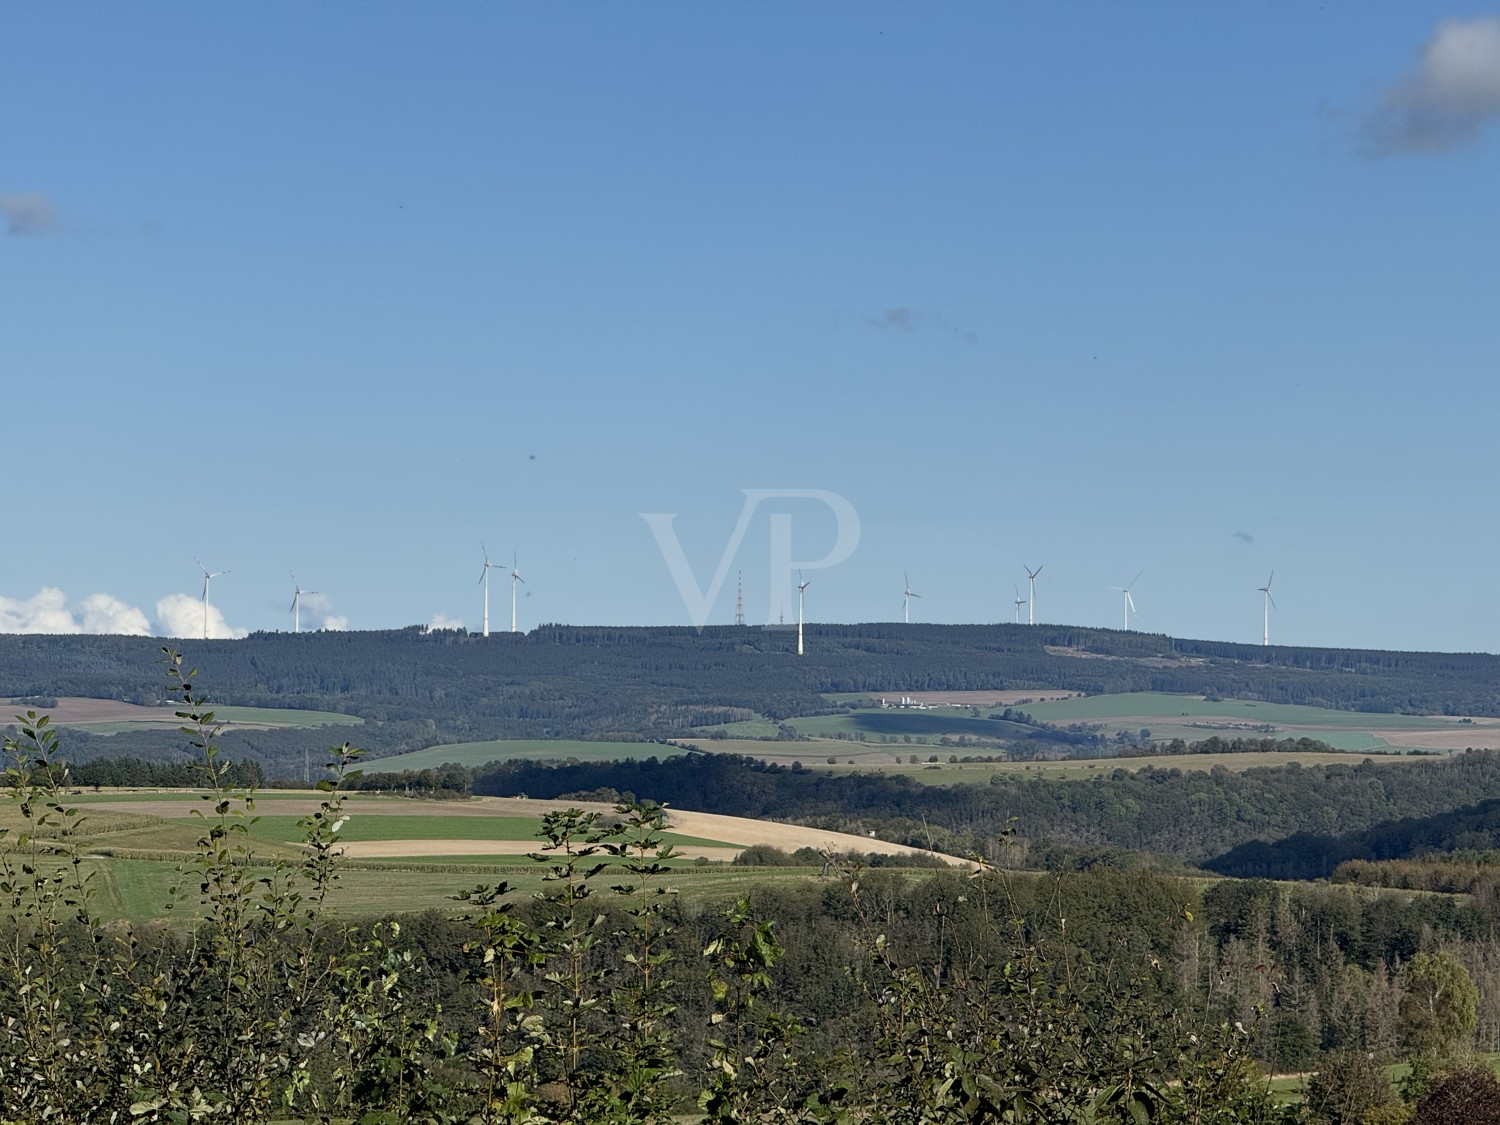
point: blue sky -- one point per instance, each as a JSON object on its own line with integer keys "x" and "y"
{"x": 1203, "y": 291}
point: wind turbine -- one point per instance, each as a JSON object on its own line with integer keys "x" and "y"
{"x": 515, "y": 576}
{"x": 207, "y": 575}
{"x": 1020, "y": 601}
{"x": 1266, "y": 604}
{"x": 1031, "y": 600}
{"x": 907, "y": 597}
{"x": 801, "y": 589}
{"x": 297, "y": 592}
{"x": 484, "y": 580}
{"x": 1129, "y": 602}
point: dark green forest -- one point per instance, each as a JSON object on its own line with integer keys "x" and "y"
{"x": 1207, "y": 818}
{"x": 417, "y": 688}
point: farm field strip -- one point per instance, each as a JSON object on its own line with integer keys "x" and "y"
{"x": 473, "y": 754}
{"x": 153, "y": 873}
{"x": 394, "y": 858}
{"x": 1137, "y": 707}
{"x": 110, "y": 716}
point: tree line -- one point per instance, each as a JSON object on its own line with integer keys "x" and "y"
{"x": 1194, "y": 816}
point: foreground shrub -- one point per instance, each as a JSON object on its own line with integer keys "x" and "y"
{"x": 1348, "y": 1085}
{"x": 1465, "y": 1097}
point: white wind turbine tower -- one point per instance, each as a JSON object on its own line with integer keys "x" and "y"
{"x": 484, "y": 580}
{"x": 801, "y": 589}
{"x": 207, "y": 575}
{"x": 1129, "y": 602}
{"x": 907, "y": 597}
{"x": 297, "y": 592}
{"x": 1266, "y": 604}
{"x": 1031, "y": 600}
{"x": 515, "y": 576}
{"x": 1020, "y": 601}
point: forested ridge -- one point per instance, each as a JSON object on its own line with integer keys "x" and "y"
{"x": 561, "y": 681}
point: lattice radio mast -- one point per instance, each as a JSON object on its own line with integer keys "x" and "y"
{"x": 739, "y": 601}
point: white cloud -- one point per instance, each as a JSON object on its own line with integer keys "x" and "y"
{"x": 44, "y": 612}
{"x": 105, "y": 614}
{"x": 443, "y": 621}
{"x": 1451, "y": 93}
{"x": 47, "y": 611}
{"x": 181, "y": 615}
{"x": 319, "y": 610}
{"x": 31, "y": 213}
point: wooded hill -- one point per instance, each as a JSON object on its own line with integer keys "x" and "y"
{"x": 1194, "y": 816}
{"x": 419, "y": 688}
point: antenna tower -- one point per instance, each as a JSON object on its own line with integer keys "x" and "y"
{"x": 739, "y": 601}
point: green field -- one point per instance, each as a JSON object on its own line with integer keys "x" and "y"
{"x": 284, "y": 717}
{"x": 473, "y": 754}
{"x": 1148, "y": 705}
{"x": 142, "y": 889}
{"x": 187, "y": 797}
